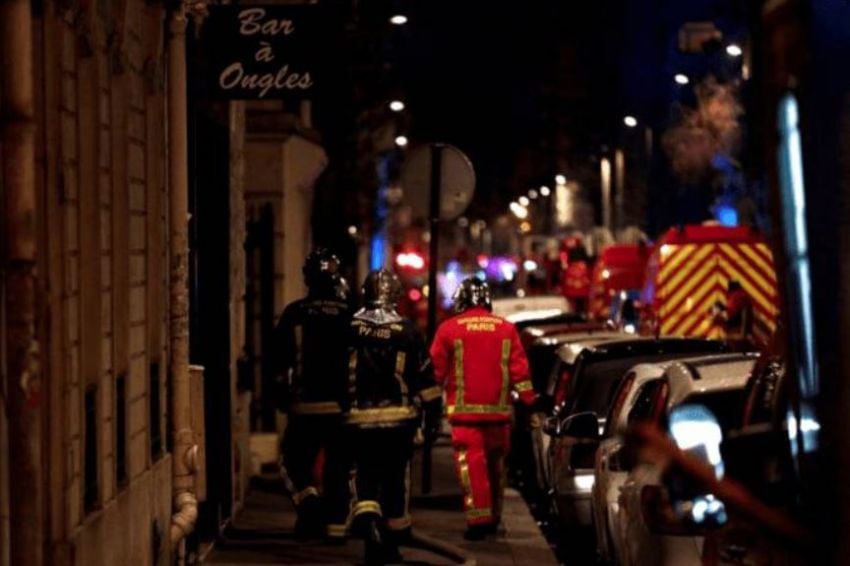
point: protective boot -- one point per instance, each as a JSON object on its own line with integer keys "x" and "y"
{"x": 374, "y": 546}
{"x": 310, "y": 523}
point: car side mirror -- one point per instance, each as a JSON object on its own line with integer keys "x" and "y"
{"x": 696, "y": 431}
{"x": 581, "y": 425}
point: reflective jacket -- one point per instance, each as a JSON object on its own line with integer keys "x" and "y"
{"x": 478, "y": 359}
{"x": 312, "y": 356}
{"x": 389, "y": 374}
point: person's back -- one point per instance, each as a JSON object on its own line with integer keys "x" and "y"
{"x": 311, "y": 342}
{"x": 486, "y": 347}
{"x": 479, "y": 360}
{"x": 389, "y": 378}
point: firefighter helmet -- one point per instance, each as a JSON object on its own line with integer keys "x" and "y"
{"x": 472, "y": 292}
{"x": 382, "y": 289}
{"x": 320, "y": 270}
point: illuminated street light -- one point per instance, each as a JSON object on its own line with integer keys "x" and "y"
{"x": 519, "y": 211}
{"x": 401, "y": 141}
{"x": 398, "y": 20}
{"x": 560, "y": 179}
{"x": 533, "y": 194}
{"x": 396, "y": 105}
{"x": 630, "y": 121}
{"x": 734, "y": 50}
{"x": 681, "y": 79}
{"x": 352, "y": 230}
{"x": 523, "y": 201}
{"x": 544, "y": 191}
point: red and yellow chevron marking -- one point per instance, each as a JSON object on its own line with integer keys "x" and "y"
{"x": 692, "y": 278}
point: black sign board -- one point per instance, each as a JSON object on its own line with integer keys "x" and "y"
{"x": 261, "y": 51}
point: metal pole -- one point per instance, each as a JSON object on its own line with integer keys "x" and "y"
{"x": 434, "y": 256}
{"x": 605, "y": 176}
{"x": 185, "y": 503}
{"x": 24, "y": 396}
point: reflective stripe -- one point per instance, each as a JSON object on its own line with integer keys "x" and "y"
{"x": 400, "y": 362}
{"x": 523, "y": 386}
{"x": 381, "y": 415}
{"x": 431, "y": 393}
{"x": 317, "y": 408}
{"x": 480, "y": 409}
{"x": 400, "y": 523}
{"x": 337, "y": 531}
{"x": 506, "y": 374}
{"x": 366, "y": 507}
{"x": 465, "y": 482}
{"x": 459, "y": 393}
{"x": 484, "y": 512}
{"x": 300, "y": 496}
{"x": 352, "y": 372}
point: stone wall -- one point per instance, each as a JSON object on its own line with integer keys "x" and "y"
{"x": 101, "y": 166}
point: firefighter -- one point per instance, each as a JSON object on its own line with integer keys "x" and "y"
{"x": 479, "y": 360}
{"x": 312, "y": 338}
{"x": 390, "y": 380}
{"x": 736, "y": 316}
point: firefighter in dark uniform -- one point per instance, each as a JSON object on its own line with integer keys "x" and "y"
{"x": 390, "y": 387}
{"x": 312, "y": 337}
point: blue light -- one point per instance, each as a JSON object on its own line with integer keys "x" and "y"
{"x": 378, "y": 250}
{"x": 727, "y": 215}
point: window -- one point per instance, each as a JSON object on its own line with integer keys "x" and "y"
{"x": 644, "y": 406}
{"x": 91, "y": 488}
{"x": 121, "y": 430}
{"x": 619, "y": 404}
{"x": 155, "y": 407}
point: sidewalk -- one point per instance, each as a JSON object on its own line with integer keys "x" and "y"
{"x": 261, "y": 534}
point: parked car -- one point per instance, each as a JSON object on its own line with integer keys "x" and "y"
{"x": 610, "y": 473}
{"x": 648, "y": 529}
{"x": 582, "y": 388}
{"x": 549, "y": 362}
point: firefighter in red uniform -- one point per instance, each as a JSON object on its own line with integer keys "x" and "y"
{"x": 479, "y": 360}
{"x": 390, "y": 384}
{"x": 736, "y": 316}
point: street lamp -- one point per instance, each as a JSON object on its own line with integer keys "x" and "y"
{"x": 544, "y": 191}
{"x": 734, "y": 50}
{"x": 681, "y": 79}
{"x": 630, "y": 121}
{"x": 398, "y": 20}
{"x": 533, "y": 194}
{"x": 396, "y": 105}
{"x": 519, "y": 211}
{"x": 523, "y": 201}
{"x": 560, "y": 179}
{"x": 401, "y": 141}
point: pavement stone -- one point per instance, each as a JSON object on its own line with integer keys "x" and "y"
{"x": 262, "y": 532}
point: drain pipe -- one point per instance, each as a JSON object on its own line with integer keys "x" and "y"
{"x": 185, "y": 450}
{"x": 23, "y": 400}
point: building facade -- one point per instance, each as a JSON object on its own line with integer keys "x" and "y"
{"x": 111, "y": 265}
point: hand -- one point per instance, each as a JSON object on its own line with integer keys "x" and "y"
{"x": 536, "y": 419}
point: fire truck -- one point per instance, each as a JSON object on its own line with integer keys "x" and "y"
{"x": 688, "y": 276}
{"x": 620, "y": 268}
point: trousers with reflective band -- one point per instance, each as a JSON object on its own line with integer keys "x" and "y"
{"x": 305, "y": 440}
{"x": 382, "y": 456}
{"x": 479, "y": 452}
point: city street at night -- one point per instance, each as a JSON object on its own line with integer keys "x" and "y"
{"x": 374, "y": 282}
